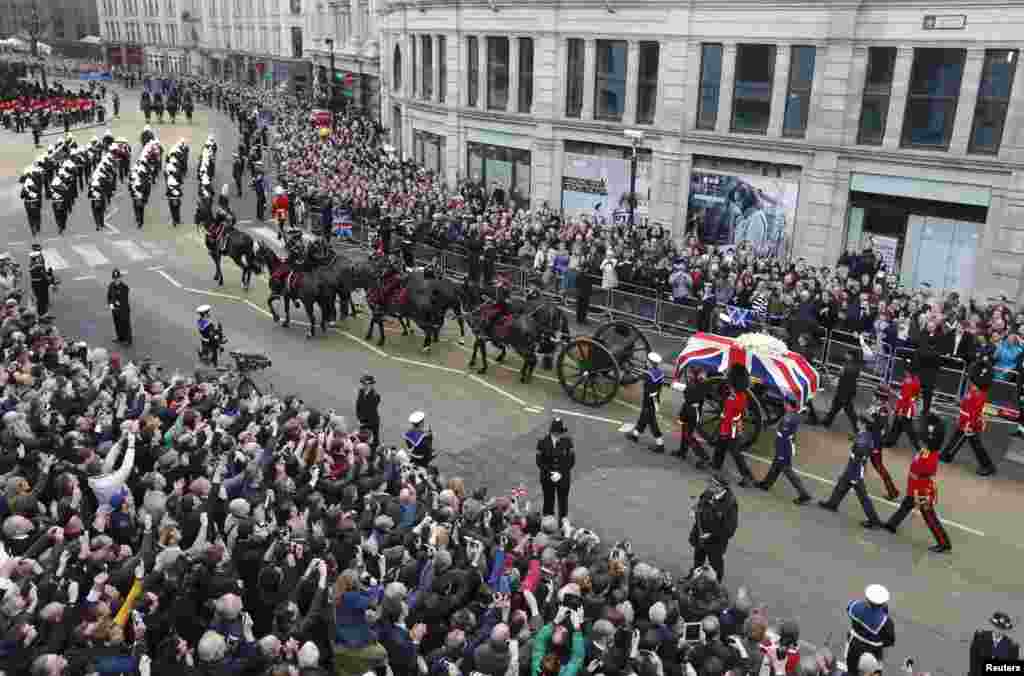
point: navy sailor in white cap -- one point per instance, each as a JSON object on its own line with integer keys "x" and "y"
{"x": 871, "y": 628}
{"x": 420, "y": 440}
{"x": 654, "y": 380}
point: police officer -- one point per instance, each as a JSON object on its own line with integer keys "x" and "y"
{"x": 368, "y": 408}
{"x": 695, "y": 393}
{"x": 990, "y": 645}
{"x": 174, "y": 200}
{"x": 42, "y": 279}
{"x": 785, "y": 450}
{"x": 654, "y": 379}
{"x": 120, "y": 308}
{"x": 419, "y": 440}
{"x": 853, "y": 476}
{"x": 921, "y": 491}
{"x": 715, "y": 520}
{"x": 259, "y": 186}
{"x": 237, "y": 171}
{"x": 871, "y": 627}
{"x": 555, "y": 460}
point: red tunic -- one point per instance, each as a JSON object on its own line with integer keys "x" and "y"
{"x": 280, "y": 207}
{"x": 910, "y": 390}
{"x": 921, "y": 479}
{"x": 732, "y": 415}
{"x": 972, "y": 408}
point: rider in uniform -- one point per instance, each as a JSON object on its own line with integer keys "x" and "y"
{"x": 654, "y": 379}
{"x": 419, "y": 440}
{"x": 42, "y": 279}
{"x": 209, "y": 345}
{"x": 279, "y": 209}
{"x": 295, "y": 245}
{"x": 499, "y": 309}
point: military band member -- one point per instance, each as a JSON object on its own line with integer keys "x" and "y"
{"x": 921, "y": 491}
{"x": 906, "y": 409}
{"x": 971, "y": 422}
{"x": 731, "y": 424}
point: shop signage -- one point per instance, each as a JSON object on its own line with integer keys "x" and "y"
{"x": 944, "y": 22}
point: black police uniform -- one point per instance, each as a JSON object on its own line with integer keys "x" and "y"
{"x": 654, "y": 380}
{"x": 690, "y": 417}
{"x": 41, "y": 279}
{"x": 716, "y": 519}
{"x": 990, "y": 646}
{"x": 368, "y": 413}
{"x": 846, "y": 391}
{"x": 120, "y": 308}
{"x": 556, "y": 456}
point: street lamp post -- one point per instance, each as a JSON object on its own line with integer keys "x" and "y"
{"x": 35, "y": 29}
{"x": 636, "y": 136}
{"x": 332, "y": 103}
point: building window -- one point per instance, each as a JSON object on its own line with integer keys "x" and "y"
{"x": 525, "y": 75}
{"x": 710, "y": 86}
{"x": 877, "y": 90}
{"x": 427, "y": 54}
{"x": 610, "y": 80}
{"x": 497, "y": 73}
{"x": 647, "y": 84}
{"x": 798, "y": 96}
{"x": 473, "y": 72}
{"x": 296, "y": 42}
{"x": 932, "y": 97}
{"x": 993, "y": 100}
{"x": 752, "y": 94}
{"x": 442, "y": 67}
{"x": 574, "y": 65}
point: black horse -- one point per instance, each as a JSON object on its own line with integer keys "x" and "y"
{"x": 532, "y": 327}
{"x": 239, "y": 247}
{"x": 424, "y": 300}
{"x": 311, "y": 288}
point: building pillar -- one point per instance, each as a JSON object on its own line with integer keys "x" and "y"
{"x": 898, "y": 98}
{"x": 682, "y": 187}
{"x": 780, "y": 84}
{"x": 513, "y": 75}
{"x": 435, "y": 69}
{"x": 854, "y": 94}
{"x": 407, "y": 68}
{"x": 691, "y": 83}
{"x": 355, "y": 31}
{"x": 632, "y": 80}
{"x": 589, "y": 74}
{"x": 664, "y": 186}
{"x": 969, "y": 85}
{"x": 724, "y": 121}
{"x": 481, "y": 46}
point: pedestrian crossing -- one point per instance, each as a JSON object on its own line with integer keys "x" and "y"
{"x": 77, "y": 254}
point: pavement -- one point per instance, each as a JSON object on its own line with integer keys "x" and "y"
{"x": 800, "y": 562}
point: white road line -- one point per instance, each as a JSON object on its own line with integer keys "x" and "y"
{"x": 369, "y": 346}
{"x": 81, "y": 236}
{"x": 55, "y": 260}
{"x": 428, "y": 365}
{"x": 154, "y": 248}
{"x": 246, "y": 221}
{"x": 130, "y": 249}
{"x": 533, "y": 409}
{"x": 83, "y": 277}
{"x": 587, "y": 416}
{"x": 261, "y": 310}
{"x": 491, "y": 386}
{"x": 17, "y": 243}
{"x": 91, "y": 253}
{"x": 52, "y": 239}
{"x": 213, "y": 293}
{"x": 155, "y": 268}
{"x": 170, "y": 279}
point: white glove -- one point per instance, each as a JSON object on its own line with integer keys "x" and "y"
{"x": 556, "y": 477}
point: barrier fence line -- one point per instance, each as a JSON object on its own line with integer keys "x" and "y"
{"x": 670, "y": 318}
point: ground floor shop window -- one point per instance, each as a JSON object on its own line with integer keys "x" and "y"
{"x": 428, "y": 150}
{"x": 503, "y": 172}
{"x": 596, "y": 182}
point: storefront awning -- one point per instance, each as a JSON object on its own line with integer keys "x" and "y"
{"x": 922, "y": 189}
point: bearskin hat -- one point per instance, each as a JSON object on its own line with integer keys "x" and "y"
{"x": 980, "y": 373}
{"x": 739, "y": 378}
{"x": 934, "y": 432}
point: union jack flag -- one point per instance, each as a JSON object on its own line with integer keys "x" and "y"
{"x": 738, "y": 317}
{"x": 788, "y": 373}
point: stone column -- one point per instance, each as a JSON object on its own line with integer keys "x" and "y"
{"x": 547, "y": 78}
{"x": 780, "y": 86}
{"x": 691, "y": 83}
{"x": 724, "y": 121}
{"x": 898, "y": 98}
{"x": 481, "y": 99}
{"x": 665, "y": 186}
{"x": 969, "y": 84}
{"x": 407, "y": 68}
{"x": 589, "y": 73}
{"x": 355, "y": 35}
{"x": 513, "y": 75}
{"x": 632, "y": 82}
{"x": 854, "y": 94}
{"x": 682, "y": 187}
{"x": 435, "y": 69}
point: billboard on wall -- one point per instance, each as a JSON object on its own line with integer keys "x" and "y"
{"x": 599, "y": 187}
{"x": 726, "y": 209}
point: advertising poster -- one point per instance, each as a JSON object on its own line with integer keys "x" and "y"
{"x": 725, "y": 209}
{"x": 598, "y": 187}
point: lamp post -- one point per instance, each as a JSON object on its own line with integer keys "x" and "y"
{"x": 332, "y": 102}
{"x": 35, "y": 29}
{"x": 636, "y": 136}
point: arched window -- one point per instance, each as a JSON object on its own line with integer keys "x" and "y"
{"x": 396, "y": 69}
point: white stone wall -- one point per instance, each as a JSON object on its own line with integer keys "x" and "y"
{"x": 828, "y": 154}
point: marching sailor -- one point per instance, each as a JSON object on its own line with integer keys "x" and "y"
{"x": 871, "y": 628}
{"x": 419, "y": 439}
{"x": 785, "y": 450}
{"x": 654, "y": 379}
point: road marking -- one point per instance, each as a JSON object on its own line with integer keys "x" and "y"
{"x": 214, "y": 294}
{"x": 17, "y": 243}
{"x": 83, "y": 277}
{"x": 91, "y": 253}
{"x": 168, "y": 278}
{"x": 155, "y": 268}
{"x": 130, "y": 249}
{"x": 52, "y": 239}
{"x": 533, "y": 409}
{"x": 587, "y": 416}
{"x": 55, "y": 260}
{"x": 504, "y": 393}
{"x": 369, "y": 346}
{"x": 81, "y": 236}
{"x": 261, "y": 310}
{"x": 246, "y": 221}
{"x": 153, "y": 248}
{"x": 436, "y": 367}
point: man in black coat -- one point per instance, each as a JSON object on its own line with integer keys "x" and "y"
{"x": 117, "y": 299}
{"x": 555, "y": 460}
{"x": 991, "y": 645}
{"x": 367, "y": 408}
{"x": 846, "y": 390}
{"x": 715, "y": 520}
{"x": 928, "y": 363}
{"x": 584, "y": 289}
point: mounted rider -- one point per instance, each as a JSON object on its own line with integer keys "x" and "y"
{"x": 222, "y": 223}
{"x": 295, "y": 245}
{"x": 498, "y": 310}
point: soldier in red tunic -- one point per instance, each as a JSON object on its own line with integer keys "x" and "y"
{"x": 731, "y": 425}
{"x": 921, "y": 490}
{"x": 906, "y": 409}
{"x": 971, "y": 422}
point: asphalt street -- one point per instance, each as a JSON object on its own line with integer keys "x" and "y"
{"x": 800, "y": 563}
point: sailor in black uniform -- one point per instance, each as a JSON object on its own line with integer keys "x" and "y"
{"x": 41, "y": 278}
{"x": 654, "y": 379}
